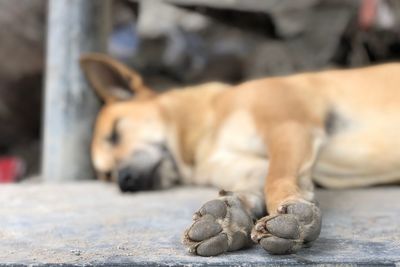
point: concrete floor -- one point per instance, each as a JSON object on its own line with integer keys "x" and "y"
{"x": 93, "y": 224}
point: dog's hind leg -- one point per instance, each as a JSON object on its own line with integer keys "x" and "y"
{"x": 294, "y": 218}
{"x": 225, "y": 223}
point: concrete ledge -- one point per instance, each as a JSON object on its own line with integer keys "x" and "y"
{"x": 93, "y": 224}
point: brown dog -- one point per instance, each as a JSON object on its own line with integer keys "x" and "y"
{"x": 263, "y": 140}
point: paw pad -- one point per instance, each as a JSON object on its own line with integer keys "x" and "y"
{"x": 204, "y": 228}
{"x": 297, "y": 225}
{"x": 220, "y": 225}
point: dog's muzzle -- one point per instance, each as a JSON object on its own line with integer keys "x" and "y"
{"x": 145, "y": 171}
{"x": 131, "y": 180}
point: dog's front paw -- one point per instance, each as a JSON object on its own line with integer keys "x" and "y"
{"x": 297, "y": 224}
{"x": 220, "y": 225}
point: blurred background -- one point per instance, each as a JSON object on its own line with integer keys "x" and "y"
{"x": 174, "y": 43}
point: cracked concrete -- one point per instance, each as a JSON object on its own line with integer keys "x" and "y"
{"x": 91, "y": 223}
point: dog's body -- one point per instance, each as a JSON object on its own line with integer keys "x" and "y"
{"x": 264, "y": 140}
{"x": 353, "y": 119}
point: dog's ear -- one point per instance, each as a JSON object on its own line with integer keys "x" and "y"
{"x": 112, "y": 80}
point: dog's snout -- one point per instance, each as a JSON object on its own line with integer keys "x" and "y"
{"x": 126, "y": 180}
{"x": 131, "y": 181}
{"x": 123, "y": 178}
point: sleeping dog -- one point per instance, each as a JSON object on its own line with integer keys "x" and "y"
{"x": 265, "y": 142}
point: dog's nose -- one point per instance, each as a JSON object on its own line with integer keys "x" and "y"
{"x": 131, "y": 181}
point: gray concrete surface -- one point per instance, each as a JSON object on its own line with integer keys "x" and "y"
{"x": 93, "y": 224}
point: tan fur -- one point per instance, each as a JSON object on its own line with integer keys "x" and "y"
{"x": 269, "y": 135}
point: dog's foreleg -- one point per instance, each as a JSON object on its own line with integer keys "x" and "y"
{"x": 294, "y": 219}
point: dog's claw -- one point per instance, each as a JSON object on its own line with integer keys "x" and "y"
{"x": 220, "y": 225}
{"x": 287, "y": 233}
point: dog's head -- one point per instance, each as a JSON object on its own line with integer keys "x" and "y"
{"x": 129, "y": 140}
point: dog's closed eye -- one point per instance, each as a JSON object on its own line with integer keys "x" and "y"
{"x": 114, "y": 136}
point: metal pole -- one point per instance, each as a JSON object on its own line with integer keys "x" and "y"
{"x": 74, "y": 27}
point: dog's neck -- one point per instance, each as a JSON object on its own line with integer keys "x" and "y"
{"x": 189, "y": 116}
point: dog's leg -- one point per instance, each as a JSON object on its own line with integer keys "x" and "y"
{"x": 225, "y": 223}
{"x": 294, "y": 218}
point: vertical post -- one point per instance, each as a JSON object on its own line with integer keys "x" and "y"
{"x": 74, "y": 27}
